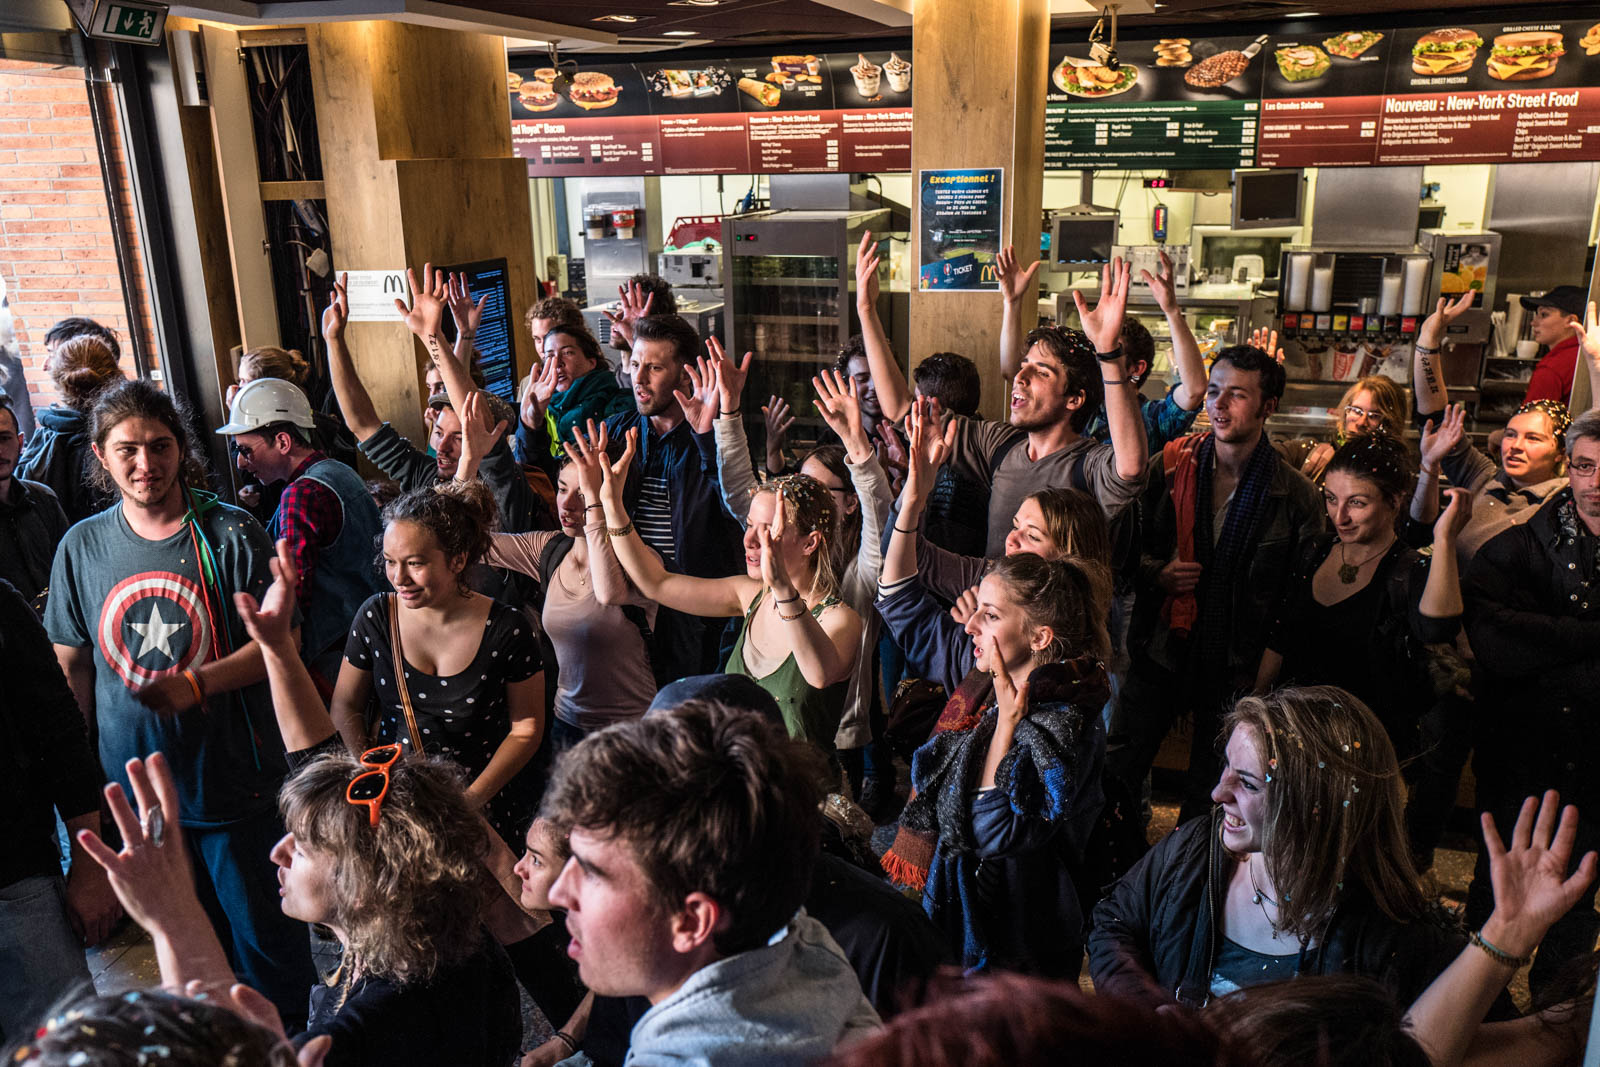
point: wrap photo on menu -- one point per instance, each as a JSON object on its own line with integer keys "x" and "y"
{"x": 764, "y": 93}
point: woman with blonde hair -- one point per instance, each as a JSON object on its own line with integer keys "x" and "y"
{"x": 800, "y": 640}
{"x": 1302, "y": 869}
{"x": 1374, "y": 404}
{"x": 58, "y": 453}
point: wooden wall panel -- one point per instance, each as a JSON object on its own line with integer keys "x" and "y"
{"x": 438, "y": 94}
{"x": 1002, "y": 44}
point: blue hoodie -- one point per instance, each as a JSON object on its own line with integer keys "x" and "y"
{"x": 58, "y": 454}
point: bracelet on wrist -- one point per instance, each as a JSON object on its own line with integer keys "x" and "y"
{"x": 195, "y": 684}
{"x": 619, "y": 531}
{"x": 1423, "y": 350}
{"x": 734, "y": 414}
{"x": 902, "y": 529}
{"x": 1111, "y": 356}
{"x": 787, "y": 600}
{"x": 1497, "y": 954}
{"x": 594, "y": 507}
{"x": 1117, "y": 381}
{"x": 567, "y": 1040}
{"x": 797, "y": 615}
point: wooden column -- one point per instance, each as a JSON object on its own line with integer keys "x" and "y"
{"x": 978, "y": 101}
{"x": 415, "y": 127}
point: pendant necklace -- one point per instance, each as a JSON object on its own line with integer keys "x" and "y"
{"x": 1260, "y": 899}
{"x": 1348, "y": 573}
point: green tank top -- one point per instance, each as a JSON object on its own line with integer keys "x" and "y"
{"x": 810, "y": 714}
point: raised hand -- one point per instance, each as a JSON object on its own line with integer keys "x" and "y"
{"x": 1163, "y": 285}
{"x": 480, "y": 432}
{"x": 1103, "y": 322}
{"x": 426, "y": 314}
{"x": 928, "y": 448}
{"x": 151, "y": 874}
{"x": 1011, "y": 700}
{"x": 1015, "y": 282}
{"x": 774, "y": 574}
{"x": 613, "y": 476}
{"x": 337, "y": 313}
{"x": 1441, "y": 435}
{"x": 892, "y": 449}
{"x": 1454, "y": 518}
{"x": 1444, "y": 313}
{"x": 540, "y": 390}
{"x": 731, "y": 376}
{"x": 965, "y": 607}
{"x": 270, "y": 621}
{"x": 258, "y": 1009}
{"x": 867, "y": 260}
{"x": 1531, "y": 887}
{"x": 466, "y": 313}
{"x": 635, "y": 306}
{"x": 1267, "y": 341}
{"x": 593, "y": 464}
{"x": 840, "y": 406}
{"x": 1588, "y": 334}
{"x": 700, "y": 405}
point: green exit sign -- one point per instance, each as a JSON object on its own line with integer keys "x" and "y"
{"x": 129, "y": 21}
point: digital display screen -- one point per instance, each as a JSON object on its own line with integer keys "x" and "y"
{"x": 495, "y": 341}
{"x": 1267, "y": 198}
{"x": 1082, "y": 241}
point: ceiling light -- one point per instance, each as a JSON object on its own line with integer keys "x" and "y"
{"x": 693, "y": 3}
{"x": 679, "y": 33}
{"x": 617, "y": 18}
{"x": 1303, "y": 15}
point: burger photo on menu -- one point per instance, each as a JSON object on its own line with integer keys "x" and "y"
{"x": 1516, "y": 57}
{"x": 1446, "y": 51}
{"x": 592, "y": 89}
{"x": 536, "y": 95}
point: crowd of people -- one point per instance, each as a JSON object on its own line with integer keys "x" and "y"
{"x": 577, "y": 703}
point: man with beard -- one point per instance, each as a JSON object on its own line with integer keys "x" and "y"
{"x": 1533, "y": 615}
{"x": 672, "y": 492}
{"x": 1224, "y": 517}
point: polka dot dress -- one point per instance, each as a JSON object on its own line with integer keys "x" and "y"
{"x": 463, "y": 717}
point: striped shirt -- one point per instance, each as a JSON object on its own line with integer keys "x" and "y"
{"x": 652, "y": 516}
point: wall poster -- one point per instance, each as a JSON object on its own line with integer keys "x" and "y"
{"x": 960, "y": 221}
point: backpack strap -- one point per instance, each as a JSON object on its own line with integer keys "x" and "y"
{"x": 555, "y": 550}
{"x": 1002, "y": 452}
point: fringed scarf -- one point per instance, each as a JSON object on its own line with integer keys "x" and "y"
{"x": 945, "y": 770}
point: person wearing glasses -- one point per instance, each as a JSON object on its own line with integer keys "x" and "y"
{"x": 1375, "y": 404}
{"x": 385, "y": 849}
{"x": 1533, "y": 616}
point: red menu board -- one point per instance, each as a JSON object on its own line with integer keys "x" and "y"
{"x": 783, "y": 114}
{"x": 1507, "y": 92}
{"x": 1322, "y": 99}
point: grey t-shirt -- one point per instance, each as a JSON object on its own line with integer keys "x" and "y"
{"x": 147, "y": 613}
{"x": 978, "y": 441}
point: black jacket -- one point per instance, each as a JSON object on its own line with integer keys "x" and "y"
{"x": 1533, "y": 616}
{"x": 59, "y": 455}
{"x": 1156, "y": 935}
{"x": 31, "y": 525}
{"x": 1294, "y": 515}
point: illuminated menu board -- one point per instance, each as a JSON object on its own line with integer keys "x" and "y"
{"x": 782, "y": 114}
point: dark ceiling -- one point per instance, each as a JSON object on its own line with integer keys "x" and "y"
{"x": 758, "y": 22}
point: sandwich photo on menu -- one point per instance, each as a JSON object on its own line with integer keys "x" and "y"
{"x": 592, "y": 89}
{"x": 764, "y": 93}
{"x": 1448, "y": 51}
{"x": 1520, "y": 57}
{"x": 1085, "y": 78}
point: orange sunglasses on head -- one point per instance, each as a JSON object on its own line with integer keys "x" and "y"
{"x": 368, "y": 788}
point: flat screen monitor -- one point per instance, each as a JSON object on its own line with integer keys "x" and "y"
{"x": 1267, "y": 198}
{"x": 496, "y": 339}
{"x": 1082, "y": 242}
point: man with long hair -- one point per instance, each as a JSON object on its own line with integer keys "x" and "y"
{"x": 141, "y": 615}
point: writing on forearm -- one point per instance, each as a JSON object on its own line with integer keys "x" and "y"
{"x": 435, "y": 349}
{"x": 1430, "y": 375}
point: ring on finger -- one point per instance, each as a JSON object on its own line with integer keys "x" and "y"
{"x": 155, "y": 825}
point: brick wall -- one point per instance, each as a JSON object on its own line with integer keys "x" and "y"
{"x": 57, "y": 234}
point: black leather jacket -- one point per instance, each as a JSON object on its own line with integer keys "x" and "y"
{"x": 1157, "y": 934}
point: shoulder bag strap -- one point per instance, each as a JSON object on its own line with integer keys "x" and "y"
{"x": 400, "y": 675}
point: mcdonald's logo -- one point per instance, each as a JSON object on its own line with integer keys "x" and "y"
{"x": 394, "y": 283}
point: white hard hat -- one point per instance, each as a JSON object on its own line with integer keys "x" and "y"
{"x": 266, "y": 401}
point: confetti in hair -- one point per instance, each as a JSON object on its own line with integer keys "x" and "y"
{"x": 1554, "y": 410}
